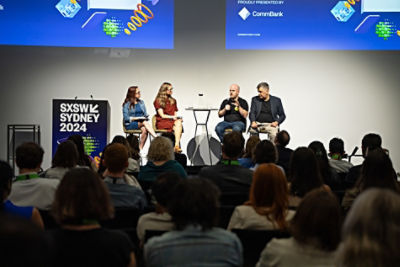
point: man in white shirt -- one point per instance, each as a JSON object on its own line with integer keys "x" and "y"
{"x": 28, "y": 188}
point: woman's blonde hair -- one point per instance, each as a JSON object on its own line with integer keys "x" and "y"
{"x": 162, "y": 96}
{"x": 160, "y": 149}
{"x": 371, "y": 231}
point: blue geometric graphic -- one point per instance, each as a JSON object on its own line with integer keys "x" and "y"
{"x": 343, "y": 11}
{"x": 68, "y": 8}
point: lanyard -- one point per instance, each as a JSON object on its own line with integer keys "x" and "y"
{"x": 24, "y": 177}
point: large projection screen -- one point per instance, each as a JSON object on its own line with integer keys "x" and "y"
{"x": 313, "y": 25}
{"x": 88, "y": 23}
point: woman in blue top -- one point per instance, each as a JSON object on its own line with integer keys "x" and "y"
{"x": 135, "y": 115}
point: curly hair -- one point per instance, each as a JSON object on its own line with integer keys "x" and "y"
{"x": 162, "y": 96}
{"x": 160, "y": 149}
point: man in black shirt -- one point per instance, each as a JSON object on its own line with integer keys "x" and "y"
{"x": 266, "y": 112}
{"x": 235, "y": 110}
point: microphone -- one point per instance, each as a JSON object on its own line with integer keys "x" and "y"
{"x": 354, "y": 151}
{"x": 76, "y": 97}
{"x": 91, "y": 96}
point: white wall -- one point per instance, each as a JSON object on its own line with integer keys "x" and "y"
{"x": 324, "y": 93}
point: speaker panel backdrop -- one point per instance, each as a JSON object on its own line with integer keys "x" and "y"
{"x": 310, "y": 24}
{"x": 88, "y": 23}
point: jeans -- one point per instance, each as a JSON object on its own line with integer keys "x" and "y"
{"x": 234, "y": 125}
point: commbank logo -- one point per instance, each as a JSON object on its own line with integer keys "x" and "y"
{"x": 244, "y": 13}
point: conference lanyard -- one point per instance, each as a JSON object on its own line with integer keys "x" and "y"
{"x": 24, "y": 177}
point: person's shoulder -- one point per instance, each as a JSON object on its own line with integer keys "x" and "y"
{"x": 242, "y": 99}
{"x": 280, "y": 245}
{"x": 275, "y": 98}
{"x": 244, "y": 209}
{"x": 48, "y": 182}
{"x": 225, "y": 236}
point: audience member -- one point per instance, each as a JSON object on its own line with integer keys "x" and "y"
{"x": 377, "y": 171}
{"x": 22, "y": 243}
{"x": 265, "y": 152}
{"x": 162, "y": 191}
{"x": 282, "y": 139}
{"x": 369, "y": 142}
{"x": 133, "y": 141}
{"x": 304, "y": 175}
{"x": 125, "y": 191}
{"x": 66, "y": 157}
{"x": 228, "y": 175}
{"x": 6, "y": 206}
{"x": 28, "y": 188}
{"x": 84, "y": 159}
{"x": 160, "y": 159}
{"x": 316, "y": 234}
{"x": 371, "y": 231}
{"x": 337, "y": 154}
{"x": 247, "y": 159}
{"x": 267, "y": 208}
{"x": 133, "y": 165}
{"x": 179, "y": 157}
{"x": 195, "y": 242}
{"x": 81, "y": 201}
{"x": 329, "y": 174}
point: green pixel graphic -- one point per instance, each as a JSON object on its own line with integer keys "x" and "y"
{"x": 384, "y": 29}
{"x": 90, "y": 143}
{"x": 112, "y": 27}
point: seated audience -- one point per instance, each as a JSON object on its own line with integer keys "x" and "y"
{"x": 160, "y": 159}
{"x": 282, "y": 139}
{"x": 6, "y": 206}
{"x": 369, "y": 142}
{"x": 304, "y": 175}
{"x": 371, "y": 231}
{"x": 329, "y": 174}
{"x": 81, "y": 202}
{"x": 133, "y": 141}
{"x": 22, "y": 243}
{"x": 265, "y": 152}
{"x": 228, "y": 175}
{"x": 267, "y": 208}
{"x": 377, "y": 171}
{"x": 179, "y": 157}
{"x": 315, "y": 231}
{"x": 125, "y": 191}
{"x": 162, "y": 191}
{"x": 195, "y": 242}
{"x": 28, "y": 188}
{"x": 66, "y": 157}
{"x": 133, "y": 165}
{"x": 337, "y": 154}
{"x": 247, "y": 159}
{"x": 84, "y": 159}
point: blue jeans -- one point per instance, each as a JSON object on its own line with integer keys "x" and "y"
{"x": 235, "y": 126}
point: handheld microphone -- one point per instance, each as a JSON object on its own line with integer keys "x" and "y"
{"x": 354, "y": 151}
{"x": 91, "y": 96}
{"x": 76, "y": 97}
